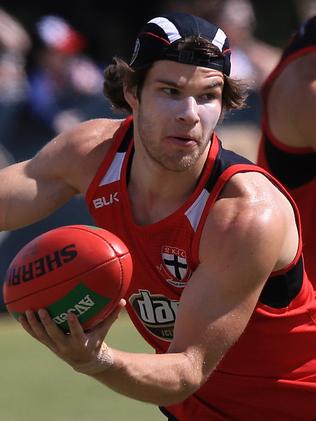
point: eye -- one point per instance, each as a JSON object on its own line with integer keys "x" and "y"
{"x": 208, "y": 96}
{"x": 170, "y": 91}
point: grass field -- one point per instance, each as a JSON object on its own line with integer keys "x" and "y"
{"x": 36, "y": 386}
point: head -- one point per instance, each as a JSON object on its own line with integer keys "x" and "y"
{"x": 176, "y": 37}
{"x": 304, "y": 37}
{"x": 238, "y": 19}
{"x": 59, "y": 44}
{"x": 177, "y": 83}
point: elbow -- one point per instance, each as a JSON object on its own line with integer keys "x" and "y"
{"x": 185, "y": 382}
{"x": 172, "y": 397}
{"x": 176, "y": 396}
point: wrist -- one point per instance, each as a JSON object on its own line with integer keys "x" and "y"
{"x": 101, "y": 363}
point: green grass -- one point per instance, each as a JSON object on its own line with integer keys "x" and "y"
{"x": 37, "y": 386}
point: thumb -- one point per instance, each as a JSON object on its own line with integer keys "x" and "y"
{"x": 103, "y": 327}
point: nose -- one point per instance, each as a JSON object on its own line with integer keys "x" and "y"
{"x": 187, "y": 111}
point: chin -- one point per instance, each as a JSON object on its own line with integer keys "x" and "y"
{"x": 180, "y": 164}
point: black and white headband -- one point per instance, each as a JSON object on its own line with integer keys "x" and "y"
{"x": 160, "y": 32}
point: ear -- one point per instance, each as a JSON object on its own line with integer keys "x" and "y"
{"x": 130, "y": 96}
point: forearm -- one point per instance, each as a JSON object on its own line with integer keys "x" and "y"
{"x": 161, "y": 379}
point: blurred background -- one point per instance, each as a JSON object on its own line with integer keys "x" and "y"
{"x": 52, "y": 57}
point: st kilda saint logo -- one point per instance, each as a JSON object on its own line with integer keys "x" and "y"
{"x": 174, "y": 266}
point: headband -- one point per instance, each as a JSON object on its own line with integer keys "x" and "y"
{"x": 159, "y": 33}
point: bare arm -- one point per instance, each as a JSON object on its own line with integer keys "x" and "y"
{"x": 214, "y": 310}
{"x": 292, "y": 104}
{"x": 240, "y": 247}
{"x": 28, "y": 194}
{"x": 33, "y": 189}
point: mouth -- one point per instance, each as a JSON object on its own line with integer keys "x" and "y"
{"x": 182, "y": 140}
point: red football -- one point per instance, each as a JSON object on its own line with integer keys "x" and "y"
{"x": 76, "y": 268}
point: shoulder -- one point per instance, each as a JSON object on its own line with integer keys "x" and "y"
{"x": 296, "y": 77}
{"x": 87, "y": 135}
{"x": 84, "y": 146}
{"x": 292, "y": 101}
{"x": 251, "y": 218}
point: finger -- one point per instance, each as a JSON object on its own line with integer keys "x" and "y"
{"x": 103, "y": 328}
{"x": 75, "y": 328}
{"x": 52, "y": 330}
{"x": 122, "y": 303}
{"x": 119, "y": 308}
{"x": 26, "y": 326}
{"x": 36, "y": 329}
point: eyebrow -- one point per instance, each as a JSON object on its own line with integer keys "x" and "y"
{"x": 212, "y": 85}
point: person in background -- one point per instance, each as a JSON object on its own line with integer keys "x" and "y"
{"x": 288, "y": 143}
{"x": 252, "y": 60}
{"x": 218, "y": 288}
{"x": 66, "y": 84}
{"x": 15, "y": 44}
{"x": 62, "y": 88}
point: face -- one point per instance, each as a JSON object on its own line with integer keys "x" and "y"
{"x": 178, "y": 110}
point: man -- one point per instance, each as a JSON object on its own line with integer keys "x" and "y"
{"x": 288, "y": 144}
{"x": 218, "y": 289}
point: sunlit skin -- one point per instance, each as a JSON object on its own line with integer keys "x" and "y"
{"x": 178, "y": 110}
{"x": 174, "y": 119}
{"x": 251, "y": 220}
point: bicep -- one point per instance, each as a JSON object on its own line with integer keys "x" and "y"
{"x": 306, "y": 114}
{"x": 213, "y": 312}
{"x": 29, "y": 194}
{"x": 291, "y": 106}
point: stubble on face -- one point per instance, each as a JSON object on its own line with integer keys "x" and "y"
{"x": 177, "y": 160}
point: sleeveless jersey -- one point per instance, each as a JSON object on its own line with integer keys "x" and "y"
{"x": 270, "y": 373}
{"x": 295, "y": 167}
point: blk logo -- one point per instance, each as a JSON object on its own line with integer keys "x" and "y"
{"x": 100, "y": 202}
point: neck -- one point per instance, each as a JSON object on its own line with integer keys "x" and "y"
{"x": 156, "y": 192}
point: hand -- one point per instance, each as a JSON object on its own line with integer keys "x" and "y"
{"x": 83, "y": 351}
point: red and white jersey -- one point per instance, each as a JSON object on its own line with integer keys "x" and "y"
{"x": 271, "y": 372}
{"x": 294, "y": 167}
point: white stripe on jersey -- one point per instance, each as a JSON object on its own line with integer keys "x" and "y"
{"x": 114, "y": 172}
{"x": 196, "y": 209}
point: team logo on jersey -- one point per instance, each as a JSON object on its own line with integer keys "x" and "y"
{"x": 156, "y": 312}
{"x": 174, "y": 266}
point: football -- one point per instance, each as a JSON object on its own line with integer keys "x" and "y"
{"x": 71, "y": 269}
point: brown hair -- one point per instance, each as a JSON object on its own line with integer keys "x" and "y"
{"x": 119, "y": 73}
